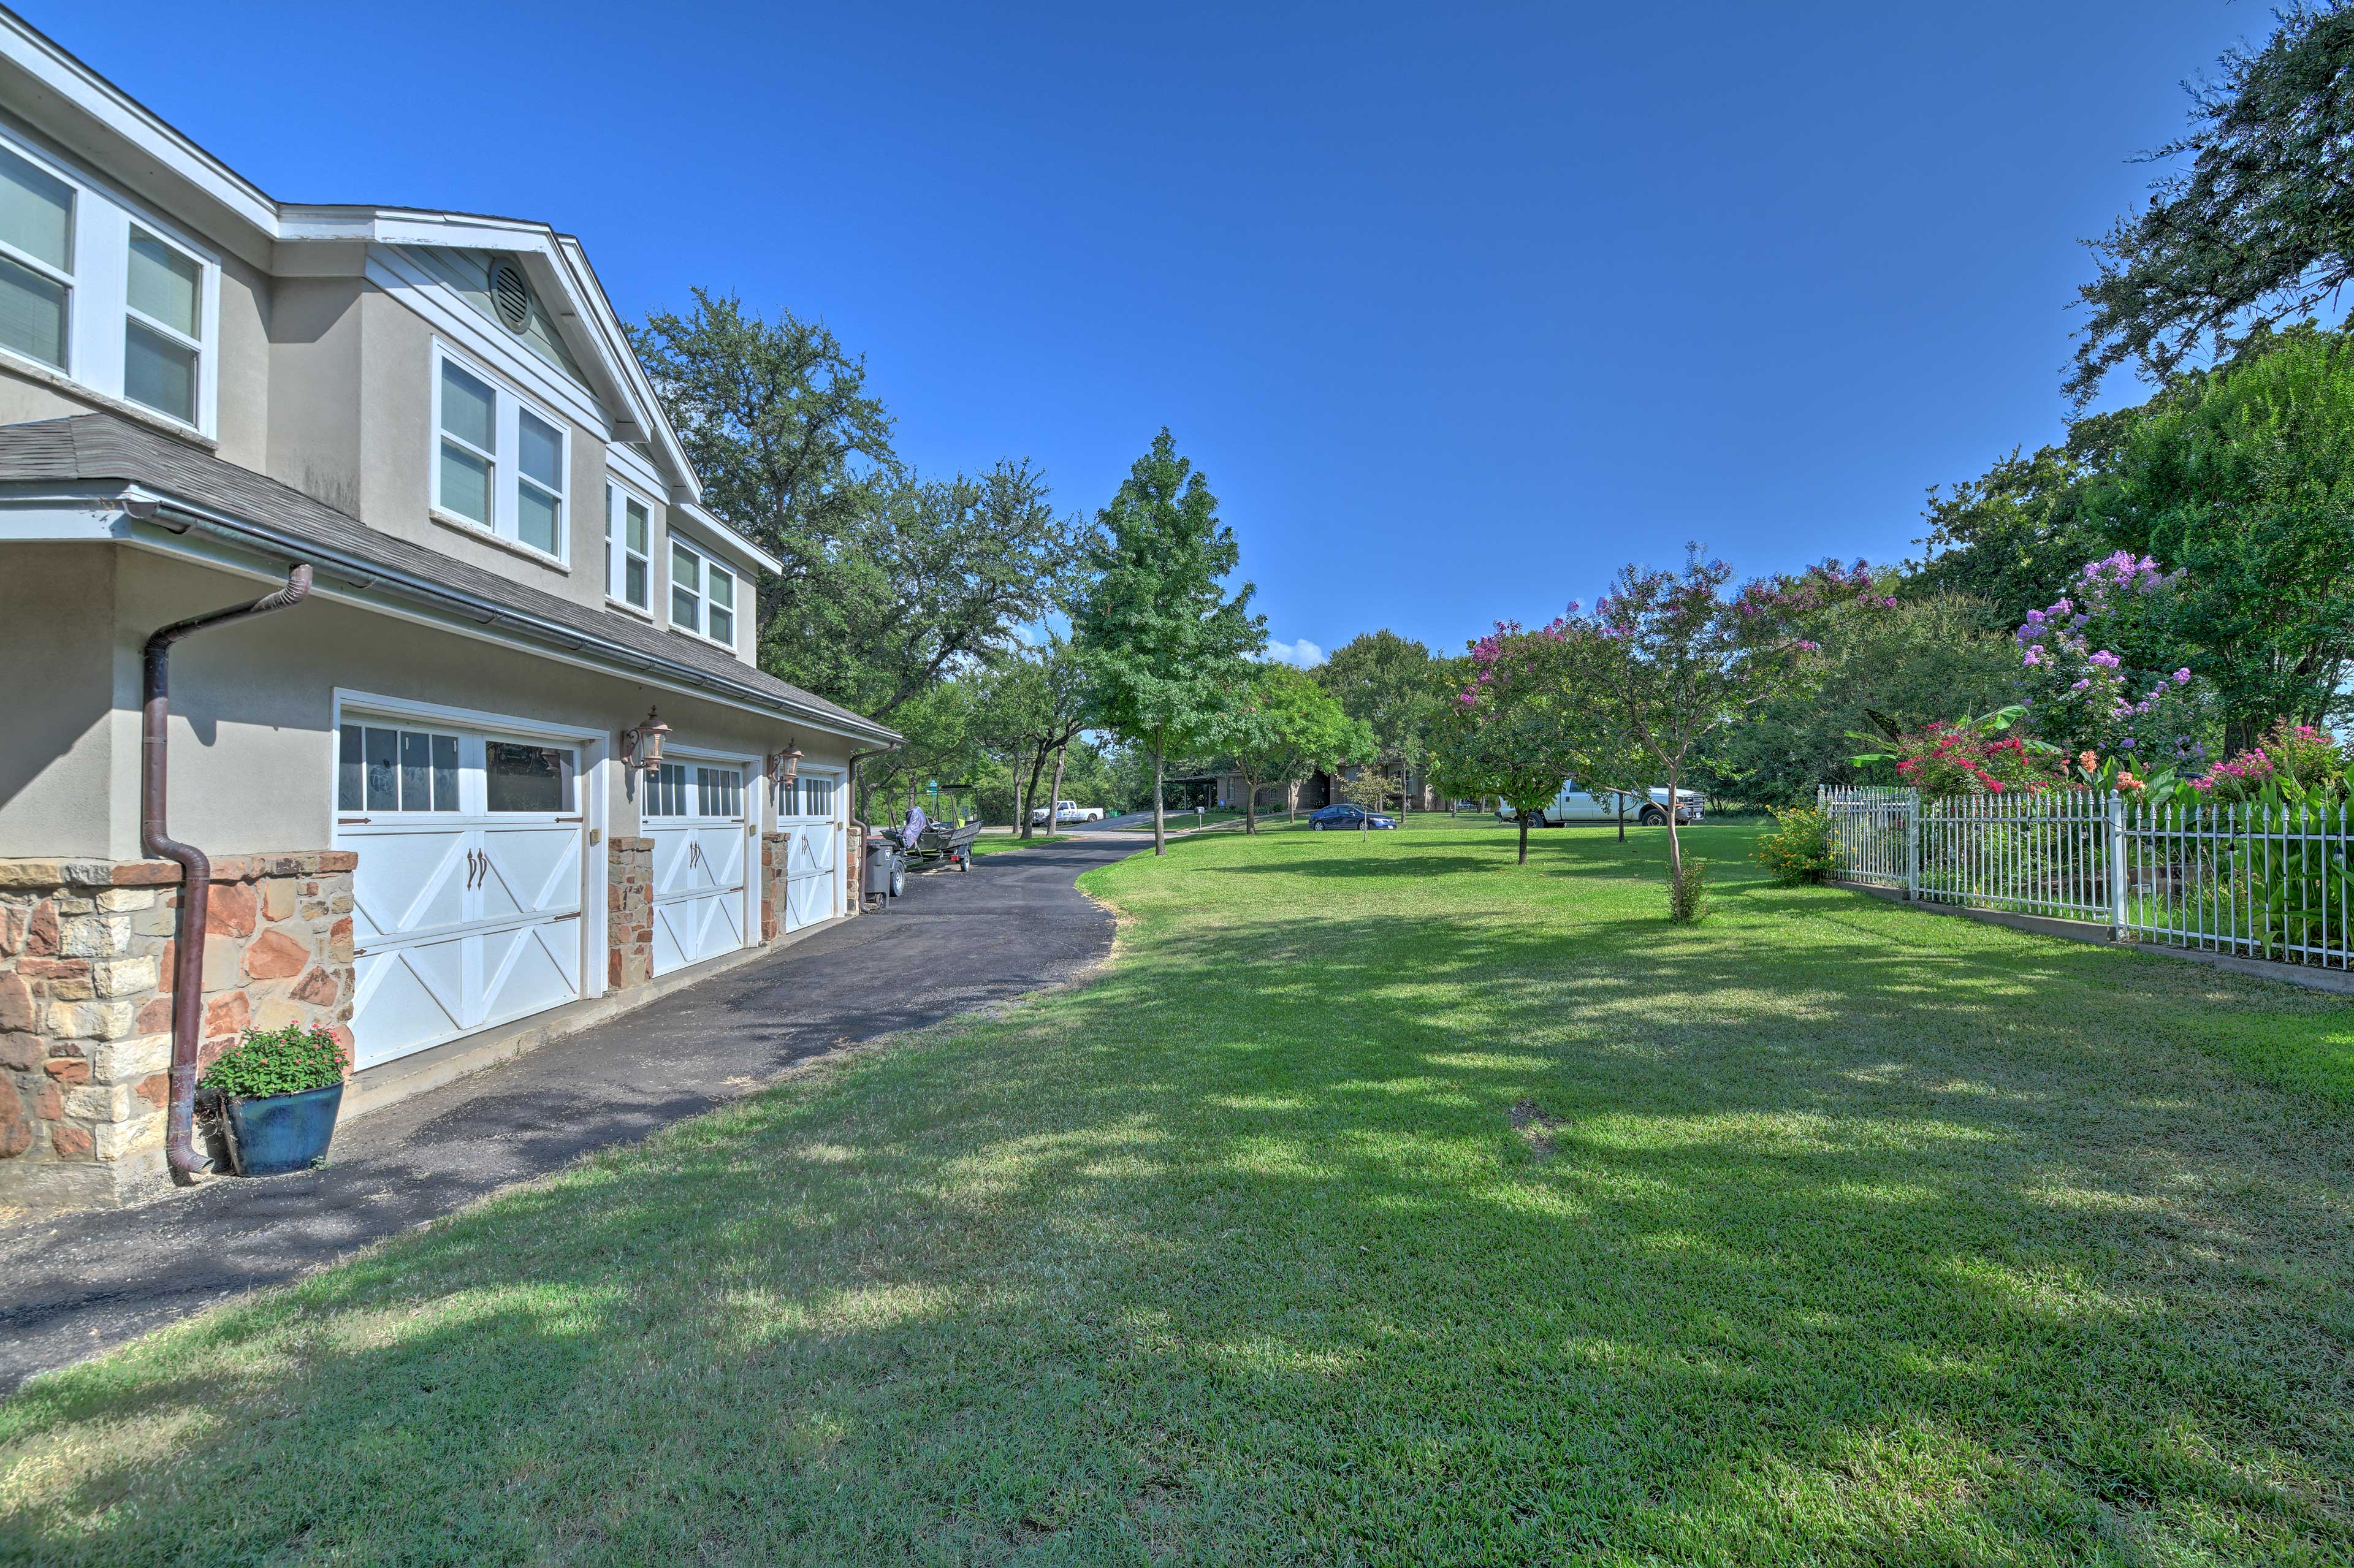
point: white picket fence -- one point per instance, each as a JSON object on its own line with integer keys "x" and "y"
{"x": 2267, "y": 882}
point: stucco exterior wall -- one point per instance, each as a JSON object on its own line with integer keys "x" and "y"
{"x": 57, "y": 643}
{"x": 313, "y": 389}
{"x": 253, "y": 705}
{"x": 242, "y": 409}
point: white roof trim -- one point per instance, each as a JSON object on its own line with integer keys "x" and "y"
{"x": 720, "y": 537}
{"x": 83, "y": 89}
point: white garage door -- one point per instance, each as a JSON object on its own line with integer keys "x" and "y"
{"x": 693, "y": 812}
{"x": 466, "y": 903}
{"x": 812, "y": 850}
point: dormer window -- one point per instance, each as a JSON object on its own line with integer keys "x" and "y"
{"x": 36, "y": 222}
{"x": 162, "y": 330}
{"x": 498, "y": 466}
{"x": 702, "y": 595}
{"x": 629, "y": 547}
{"x": 96, "y": 291}
{"x": 470, "y": 444}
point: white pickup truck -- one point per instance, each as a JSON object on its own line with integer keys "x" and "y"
{"x": 1576, "y": 805}
{"x": 1067, "y": 811}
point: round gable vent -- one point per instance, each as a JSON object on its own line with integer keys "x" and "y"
{"x": 510, "y": 294}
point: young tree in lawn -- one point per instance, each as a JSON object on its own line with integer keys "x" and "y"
{"x": 1161, "y": 639}
{"x": 1669, "y": 661}
{"x": 1519, "y": 728}
{"x": 1280, "y": 725}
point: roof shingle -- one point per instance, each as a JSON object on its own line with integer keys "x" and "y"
{"x": 104, "y": 447}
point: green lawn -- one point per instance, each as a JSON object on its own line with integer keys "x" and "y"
{"x": 1384, "y": 1204}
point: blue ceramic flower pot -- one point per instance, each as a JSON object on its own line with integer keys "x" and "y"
{"x": 277, "y": 1133}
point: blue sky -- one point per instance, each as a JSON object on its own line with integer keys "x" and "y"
{"x": 1459, "y": 307}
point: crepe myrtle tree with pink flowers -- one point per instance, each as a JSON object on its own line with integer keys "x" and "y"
{"x": 1522, "y": 724}
{"x": 2097, "y": 672}
{"x": 1673, "y": 660}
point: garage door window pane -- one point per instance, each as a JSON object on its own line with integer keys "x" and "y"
{"x": 382, "y": 756}
{"x": 527, "y": 777}
{"x": 722, "y": 790}
{"x": 415, "y": 771}
{"x": 351, "y": 786}
{"x": 666, "y": 792}
{"x": 445, "y": 772}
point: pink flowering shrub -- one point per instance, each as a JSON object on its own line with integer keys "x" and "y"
{"x": 2304, "y": 761}
{"x": 1957, "y": 759}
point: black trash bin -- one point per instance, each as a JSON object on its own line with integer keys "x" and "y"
{"x": 887, "y": 868}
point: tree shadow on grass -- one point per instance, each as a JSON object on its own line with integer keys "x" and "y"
{"x": 1850, "y": 1250}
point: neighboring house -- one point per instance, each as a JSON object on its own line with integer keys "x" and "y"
{"x": 1320, "y": 789}
{"x": 423, "y": 786}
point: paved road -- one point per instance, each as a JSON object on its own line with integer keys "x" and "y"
{"x": 71, "y": 1289}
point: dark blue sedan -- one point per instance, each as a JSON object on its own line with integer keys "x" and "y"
{"x": 1348, "y": 816}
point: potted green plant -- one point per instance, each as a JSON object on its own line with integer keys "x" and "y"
{"x": 279, "y": 1091}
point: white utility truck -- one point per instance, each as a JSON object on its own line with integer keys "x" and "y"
{"x": 1067, "y": 811}
{"x": 1576, "y": 805}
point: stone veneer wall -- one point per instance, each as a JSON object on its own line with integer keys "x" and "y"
{"x": 628, "y": 911}
{"x": 86, "y": 1003}
{"x": 774, "y": 849}
{"x": 854, "y": 874}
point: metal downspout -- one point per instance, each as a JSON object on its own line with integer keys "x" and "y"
{"x": 195, "y": 870}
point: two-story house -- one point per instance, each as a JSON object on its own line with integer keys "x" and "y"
{"x": 495, "y": 745}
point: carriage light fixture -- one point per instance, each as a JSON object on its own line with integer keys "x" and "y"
{"x": 644, "y": 744}
{"x": 785, "y": 766}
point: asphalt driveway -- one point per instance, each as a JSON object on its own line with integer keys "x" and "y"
{"x": 958, "y": 941}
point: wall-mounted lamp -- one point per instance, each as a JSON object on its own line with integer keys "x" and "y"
{"x": 785, "y": 766}
{"x": 643, "y": 745}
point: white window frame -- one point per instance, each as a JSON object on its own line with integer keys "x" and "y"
{"x": 508, "y": 407}
{"x": 618, "y": 496}
{"x": 97, "y": 304}
{"x": 706, "y": 563}
{"x": 165, "y": 329}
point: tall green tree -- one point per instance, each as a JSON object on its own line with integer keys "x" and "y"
{"x": 778, "y": 421}
{"x": 2010, "y": 538}
{"x": 2243, "y": 480}
{"x": 1393, "y": 686}
{"x": 1280, "y": 725}
{"x": 1160, "y": 635}
{"x": 938, "y": 576}
{"x": 1883, "y": 672}
{"x": 891, "y": 583}
{"x": 2257, "y": 230}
